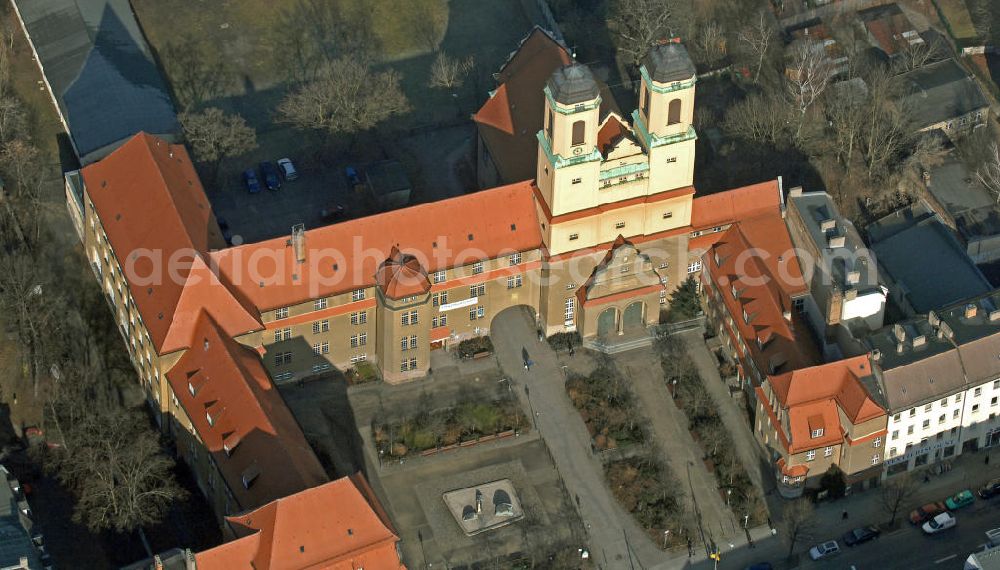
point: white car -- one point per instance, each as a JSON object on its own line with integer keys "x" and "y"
{"x": 287, "y": 169}
{"x": 824, "y": 550}
{"x": 944, "y": 521}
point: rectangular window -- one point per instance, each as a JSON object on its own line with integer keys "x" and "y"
{"x": 359, "y": 318}
{"x": 895, "y": 434}
{"x": 913, "y": 412}
{"x": 958, "y": 398}
{"x": 663, "y": 297}
{"x": 954, "y": 414}
{"x": 579, "y": 132}
{"x": 619, "y": 225}
{"x": 282, "y": 334}
{"x": 477, "y": 268}
{"x": 942, "y": 419}
{"x": 569, "y": 311}
{"x": 438, "y": 299}
{"x": 895, "y": 418}
{"x": 413, "y": 317}
{"x": 359, "y": 358}
{"x": 996, "y": 384}
{"x": 573, "y": 237}
{"x": 875, "y": 459}
{"x": 577, "y": 180}
{"x": 514, "y": 281}
{"x": 909, "y": 430}
{"x": 354, "y": 341}
{"x": 810, "y": 455}
{"x": 282, "y": 358}
{"x": 281, "y": 313}
{"x": 404, "y": 343}
{"x": 439, "y": 276}
{"x": 926, "y": 424}
{"x": 319, "y": 304}
{"x": 439, "y": 321}
{"x": 476, "y": 313}
{"x": 877, "y": 442}
{"x": 667, "y": 215}
{"x": 694, "y": 266}
{"x": 321, "y": 326}
{"x": 413, "y": 363}
{"x": 978, "y": 392}
{"x": 818, "y": 432}
{"x": 357, "y": 294}
{"x": 477, "y": 290}
{"x": 828, "y": 452}
{"x": 514, "y": 258}
{"x": 316, "y": 349}
{"x": 413, "y": 341}
{"x": 928, "y": 407}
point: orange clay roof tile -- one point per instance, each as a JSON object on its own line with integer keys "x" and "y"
{"x": 231, "y": 402}
{"x": 401, "y": 275}
{"x": 152, "y": 206}
{"x": 346, "y": 256}
{"x": 336, "y": 526}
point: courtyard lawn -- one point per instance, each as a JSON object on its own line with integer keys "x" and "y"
{"x": 957, "y": 18}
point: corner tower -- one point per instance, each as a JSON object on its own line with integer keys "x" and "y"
{"x": 568, "y": 158}
{"x": 664, "y": 118}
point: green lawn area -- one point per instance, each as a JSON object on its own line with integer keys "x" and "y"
{"x": 956, "y": 14}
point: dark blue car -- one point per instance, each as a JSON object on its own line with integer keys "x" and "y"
{"x": 250, "y": 181}
{"x": 269, "y": 172}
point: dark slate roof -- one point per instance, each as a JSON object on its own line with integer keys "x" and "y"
{"x": 939, "y": 92}
{"x": 100, "y": 70}
{"x": 669, "y": 62}
{"x": 573, "y": 83}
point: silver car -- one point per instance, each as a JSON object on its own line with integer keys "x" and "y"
{"x": 824, "y": 550}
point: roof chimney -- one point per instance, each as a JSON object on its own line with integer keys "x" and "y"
{"x": 851, "y": 294}
{"x": 795, "y": 192}
{"x": 945, "y": 330}
{"x": 899, "y": 347}
{"x": 876, "y": 354}
{"x": 836, "y": 241}
{"x": 827, "y": 225}
{"x": 933, "y": 318}
{"x": 899, "y": 332}
{"x": 919, "y": 340}
{"x": 299, "y": 242}
{"x": 994, "y": 315}
{"x": 853, "y": 277}
{"x": 970, "y": 310}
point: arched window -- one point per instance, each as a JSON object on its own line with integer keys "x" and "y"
{"x": 548, "y": 125}
{"x": 579, "y": 130}
{"x": 674, "y": 112}
{"x": 644, "y": 104}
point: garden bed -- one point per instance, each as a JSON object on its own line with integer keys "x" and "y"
{"x": 362, "y": 373}
{"x": 478, "y": 347}
{"x": 450, "y": 428}
{"x": 650, "y": 492}
{"x": 606, "y": 405}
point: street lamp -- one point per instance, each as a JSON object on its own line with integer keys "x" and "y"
{"x": 666, "y": 536}
{"x": 728, "y": 493}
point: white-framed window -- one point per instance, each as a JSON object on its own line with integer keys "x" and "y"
{"x": 978, "y": 392}
{"x": 359, "y": 318}
{"x": 513, "y": 281}
{"x": 569, "y": 310}
{"x": 439, "y": 320}
{"x": 667, "y": 215}
{"x": 321, "y": 348}
{"x": 359, "y": 358}
{"x": 875, "y": 459}
{"x": 476, "y": 313}
{"x": 438, "y": 299}
{"x": 281, "y": 358}
{"x": 404, "y": 343}
{"x": 282, "y": 334}
{"x": 319, "y": 304}
{"x": 577, "y": 180}
{"x": 413, "y": 341}
{"x": 818, "y": 432}
{"x": 573, "y": 237}
{"x": 663, "y": 297}
{"x": 477, "y": 268}
{"x": 810, "y": 455}
{"x": 694, "y": 266}
{"x": 892, "y": 452}
{"x": 877, "y": 442}
{"x": 359, "y": 340}
{"x": 281, "y": 313}
{"x": 926, "y": 424}
{"x": 477, "y": 290}
{"x": 570, "y": 286}
{"x": 357, "y": 294}
{"x": 514, "y": 258}
{"x": 439, "y": 276}
{"x": 828, "y": 451}
{"x": 619, "y": 225}
{"x": 321, "y": 326}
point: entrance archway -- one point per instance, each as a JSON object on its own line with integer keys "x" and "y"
{"x": 632, "y": 318}
{"x": 607, "y": 322}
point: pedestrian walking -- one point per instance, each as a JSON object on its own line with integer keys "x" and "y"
{"x": 987, "y": 458}
{"x": 844, "y": 515}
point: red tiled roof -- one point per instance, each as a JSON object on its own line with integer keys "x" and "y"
{"x": 813, "y": 396}
{"x": 337, "y": 526}
{"x": 888, "y": 32}
{"x": 248, "y": 417}
{"x": 345, "y": 256}
{"x": 793, "y": 471}
{"x": 727, "y": 207}
{"x": 611, "y": 132}
{"x": 402, "y": 275}
{"x": 151, "y": 203}
{"x": 765, "y": 283}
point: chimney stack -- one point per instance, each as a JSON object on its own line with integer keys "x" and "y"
{"x": 157, "y": 562}
{"x": 970, "y": 310}
{"x": 299, "y": 242}
{"x": 899, "y": 333}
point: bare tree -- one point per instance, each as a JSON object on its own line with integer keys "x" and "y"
{"x": 19, "y": 158}
{"x": 448, "y": 72}
{"x": 27, "y": 300}
{"x": 215, "y": 136}
{"x": 914, "y": 55}
{"x": 887, "y": 133}
{"x": 13, "y": 119}
{"x": 757, "y": 39}
{"x": 121, "y": 476}
{"x": 346, "y": 97}
{"x": 798, "y": 523}
{"x": 809, "y": 74}
{"x": 988, "y": 172}
{"x": 847, "y": 118}
{"x": 760, "y": 118}
{"x": 711, "y": 43}
{"x": 639, "y": 24}
{"x": 895, "y": 493}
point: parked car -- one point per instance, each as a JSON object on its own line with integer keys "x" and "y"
{"x": 250, "y": 181}
{"x": 861, "y": 535}
{"x": 287, "y": 169}
{"x": 927, "y": 512}
{"x": 944, "y": 521}
{"x": 269, "y": 172}
{"x": 990, "y": 489}
{"x": 962, "y": 499}
{"x": 824, "y": 550}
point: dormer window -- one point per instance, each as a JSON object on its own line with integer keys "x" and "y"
{"x": 209, "y": 418}
{"x": 250, "y": 475}
{"x": 192, "y": 389}
{"x": 818, "y": 432}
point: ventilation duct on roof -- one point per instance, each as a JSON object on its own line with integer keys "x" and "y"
{"x": 827, "y": 225}
{"x": 970, "y": 310}
{"x": 299, "y": 242}
{"x": 994, "y": 315}
{"x": 899, "y": 333}
{"x": 919, "y": 340}
{"x": 837, "y": 241}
